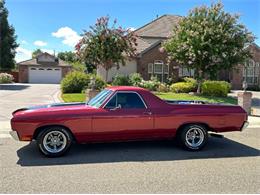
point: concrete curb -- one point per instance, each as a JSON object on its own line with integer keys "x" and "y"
{"x": 57, "y": 97}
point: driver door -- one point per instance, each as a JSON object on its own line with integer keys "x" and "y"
{"x": 124, "y": 117}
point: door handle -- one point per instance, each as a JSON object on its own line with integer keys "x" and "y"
{"x": 148, "y": 113}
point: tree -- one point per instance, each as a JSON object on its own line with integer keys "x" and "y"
{"x": 209, "y": 40}
{"x": 7, "y": 40}
{"x": 106, "y": 45}
{"x": 68, "y": 56}
{"x": 36, "y": 52}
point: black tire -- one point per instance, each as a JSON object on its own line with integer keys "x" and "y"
{"x": 61, "y": 134}
{"x": 200, "y": 138}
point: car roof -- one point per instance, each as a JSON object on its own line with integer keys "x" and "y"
{"x": 126, "y": 88}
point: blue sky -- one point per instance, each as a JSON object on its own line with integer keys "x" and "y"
{"x": 57, "y": 24}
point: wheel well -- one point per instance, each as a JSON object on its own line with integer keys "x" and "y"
{"x": 184, "y": 125}
{"x": 39, "y": 129}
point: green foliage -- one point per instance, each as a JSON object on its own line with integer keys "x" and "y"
{"x": 99, "y": 83}
{"x": 208, "y": 40}
{"x": 106, "y": 45}
{"x": 36, "y": 52}
{"x": 151, "y": 85}
{"x": 74, "y": 82}
{"x": 77, "y": 66}
{"x": 215, "y": 88}
{"x": 190, "y": 80}
{"x": 135, "y": 79}
{"x": 68, "y": 56}
{"x": 8, "y": 38}
{"x": 162, "y": 87}
{"x": 120, "y": 80}
{"x": 182, "y": 87}
{"x": 6, "y": 78}
{"x": 186, "y": 86}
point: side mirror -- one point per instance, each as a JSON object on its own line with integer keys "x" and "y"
{"x": 116, "y": 108}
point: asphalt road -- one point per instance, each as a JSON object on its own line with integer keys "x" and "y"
{"x": 226, "y": 165}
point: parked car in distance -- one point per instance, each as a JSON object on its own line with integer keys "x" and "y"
{"x": 123, "y": 114}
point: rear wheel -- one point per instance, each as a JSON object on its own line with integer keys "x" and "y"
{"x": 54, "y": 141}
{"x": 193, "y": 137}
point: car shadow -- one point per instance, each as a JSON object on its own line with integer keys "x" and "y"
{"x": 13, "y": 87}
{"x": 135, "y": 152}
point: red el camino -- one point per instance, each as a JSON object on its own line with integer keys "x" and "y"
{"x": 123, "y": 114}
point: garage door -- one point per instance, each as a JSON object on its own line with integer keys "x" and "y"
{"x": 44, "y": 75}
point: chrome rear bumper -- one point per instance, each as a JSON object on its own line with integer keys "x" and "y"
{"x": 245, "y": 125}
{"x": 14, "y": 135}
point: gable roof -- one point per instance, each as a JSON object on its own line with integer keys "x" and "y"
{"x": 160, "y": 27}
{"x": 35, "y": 62}
{"x": 153, "y": 33}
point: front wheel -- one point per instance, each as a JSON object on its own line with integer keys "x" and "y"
{"x": 54, "y": 141}
{"x": 193, "y": 137}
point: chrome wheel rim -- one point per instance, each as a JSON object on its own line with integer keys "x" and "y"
{"x": 54, "y": 141}
{"x": 194, "y": 137}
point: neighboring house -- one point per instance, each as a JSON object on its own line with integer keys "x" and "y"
{"x": 45, "y": 68}
{"x": 250, "y": 71}
{"x": 151, "y": 60}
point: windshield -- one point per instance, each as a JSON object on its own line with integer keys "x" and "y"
{"x": 99, "y": 99}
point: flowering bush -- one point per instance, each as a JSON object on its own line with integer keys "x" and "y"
{"x": 6, "y": 78}
{"x": 135, "y": 79}
{"x": 162, "y": 87}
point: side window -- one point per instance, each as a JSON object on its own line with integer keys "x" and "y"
{"x": 129, "y": 100}
{"x": 125, "y": 101}
{"x": 112, "y": 103}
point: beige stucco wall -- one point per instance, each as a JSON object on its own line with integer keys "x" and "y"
{"x": 46, "y": 58}
{"x": 129, "y": 68}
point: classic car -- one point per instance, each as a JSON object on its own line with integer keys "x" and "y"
{"x": 124, "y": 114}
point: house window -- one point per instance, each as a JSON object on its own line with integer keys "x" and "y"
{"x": 159, "y": 70}
{"x": 186, "y": 72}
{"x": 251, "y": 72}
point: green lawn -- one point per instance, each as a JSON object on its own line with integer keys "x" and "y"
{"x": 74, "y": 97}
{"x": 185, "y": 96}
{"x": 81, "y": 97}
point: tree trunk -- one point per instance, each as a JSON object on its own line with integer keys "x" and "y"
{"x": 199, "y": 86}
{"x": 106, "y": 74}
{"x": 200, "y": 80}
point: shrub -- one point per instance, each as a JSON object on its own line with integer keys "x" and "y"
{"x": 215, "y": 88}
{"x": 162, "y": 87}
{"x": 6, "y": 78}
{"x": 120, "y": 80}
{"x": 74, "y": 82}
{"x": 150, "y": 85}
{"x": 99, "y": 83}
{"x": 135, "y": 79}
{"x": 182, "y": 87}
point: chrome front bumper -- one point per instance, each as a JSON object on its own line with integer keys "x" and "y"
{"x": 14, "y": 135}
{"x": 245, "y": 125}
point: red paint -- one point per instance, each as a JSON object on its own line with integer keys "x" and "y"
{"x": 89, "y": 124}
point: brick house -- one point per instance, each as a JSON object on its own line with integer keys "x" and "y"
{"x": 45, "y": 68}
{"x": 152, "y": 61}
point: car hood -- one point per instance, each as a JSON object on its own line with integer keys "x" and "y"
{"x": 51, "y": 107}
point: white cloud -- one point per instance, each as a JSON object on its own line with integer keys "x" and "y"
{"x": 24, "y": 42}
{"x": 131, "y": 28}
{"x": 40, "y": 43}
{"x": 50, "y": 51}
{"x": 69, "y": 36}
{"x": 22, "y": 54}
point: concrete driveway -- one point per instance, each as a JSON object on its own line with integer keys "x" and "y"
{"x": 14, "y": 96}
